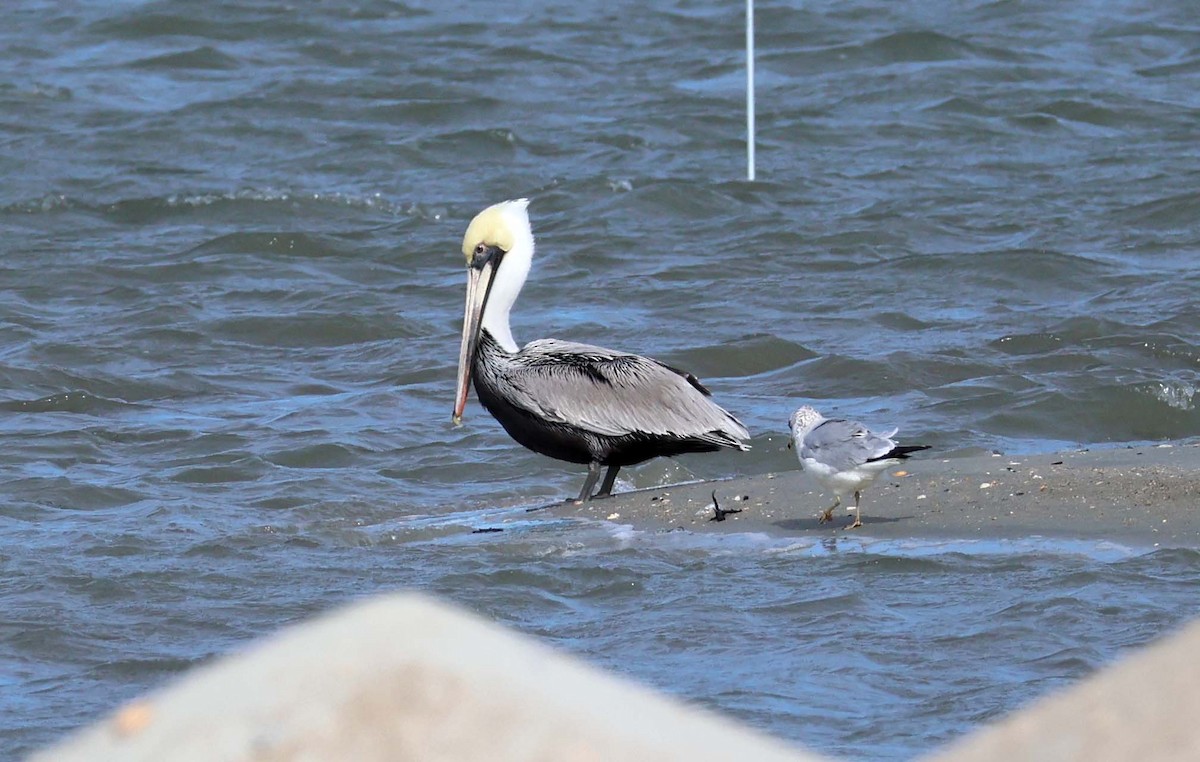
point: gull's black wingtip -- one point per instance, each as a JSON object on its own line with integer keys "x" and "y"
{"x": 903, "y": 451}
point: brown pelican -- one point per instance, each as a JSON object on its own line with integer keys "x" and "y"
{"x": 843, "y": 456}
{"x": 574, "y": 402}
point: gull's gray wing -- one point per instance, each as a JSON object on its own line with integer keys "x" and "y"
{"x": 615, "y": 393}
{"x": 844, "y": 445}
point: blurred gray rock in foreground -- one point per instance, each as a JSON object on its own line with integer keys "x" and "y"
{"x": 1144, "y": 707}
{"x": 408, "y": 678}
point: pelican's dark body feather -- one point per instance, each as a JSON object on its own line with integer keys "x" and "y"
{"x": 586, "y": 404}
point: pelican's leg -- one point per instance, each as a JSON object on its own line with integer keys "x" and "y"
{"x": 827, "y": 514}
{"x": 589, "y": 483}
{"x": 857, "y": 513}
{"x": 610, "y": 477}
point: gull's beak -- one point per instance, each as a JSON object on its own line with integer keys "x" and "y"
{"x": 479, "y": 283}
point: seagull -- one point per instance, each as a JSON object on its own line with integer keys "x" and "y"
{"x": 575, "y": 402}
{"x": 844, "y": 456}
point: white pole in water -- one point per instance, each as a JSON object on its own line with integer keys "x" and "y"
{"x": 749, "y": 89}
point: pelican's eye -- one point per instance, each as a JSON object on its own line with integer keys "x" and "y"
{"x": 483, "y": 255}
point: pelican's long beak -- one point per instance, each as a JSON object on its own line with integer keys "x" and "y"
{"x": 479, "y": 283}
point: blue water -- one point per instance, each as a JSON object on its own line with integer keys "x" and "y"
{"x": 232, "y": 294}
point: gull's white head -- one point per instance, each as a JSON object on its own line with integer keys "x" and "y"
{"x": 804, "y": 420}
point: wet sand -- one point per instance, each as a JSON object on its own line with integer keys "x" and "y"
{"x": 1138, "y": 495}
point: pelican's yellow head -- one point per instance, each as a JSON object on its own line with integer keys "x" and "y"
{"x": 499, "y": 226}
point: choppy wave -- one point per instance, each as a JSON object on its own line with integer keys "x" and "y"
{"x": 66, "y": 402}
{"x": 233, "y": 294}
{"x": 281, "y": 197}
{"x": 1180, "y": 395}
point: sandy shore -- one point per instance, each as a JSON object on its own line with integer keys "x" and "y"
{"x": 1141, "y": 495}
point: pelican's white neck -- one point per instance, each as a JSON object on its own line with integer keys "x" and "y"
{"x": 507, "y": 283}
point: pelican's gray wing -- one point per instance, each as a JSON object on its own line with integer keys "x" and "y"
{"x": 844, "y": 445}
{"x": 615, "y": 393}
